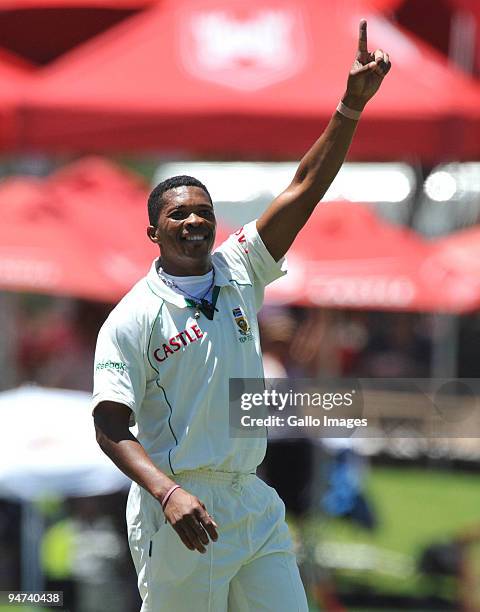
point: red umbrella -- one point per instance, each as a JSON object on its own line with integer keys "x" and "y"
{"x": 347, "y": 257}
{"x": 257, "y": 79}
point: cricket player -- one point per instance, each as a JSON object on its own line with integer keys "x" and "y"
{"x": 205, "y": 533}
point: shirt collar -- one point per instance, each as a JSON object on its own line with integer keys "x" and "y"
{"x": 158, "y": 287}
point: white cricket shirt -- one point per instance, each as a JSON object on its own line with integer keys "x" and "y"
{"x": 173, "y": 370}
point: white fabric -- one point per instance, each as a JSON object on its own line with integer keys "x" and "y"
{"x": 173, "y": 371}
{"x": 49, "y": 447}
{"x": 250, "y": 567}
{"x": 192, "y": 285}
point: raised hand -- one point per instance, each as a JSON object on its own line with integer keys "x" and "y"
{"x": 368, "y": 70}
{"x": 190, "y": 519}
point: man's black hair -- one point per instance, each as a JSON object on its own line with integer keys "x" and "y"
{"x": 155, "y": 199}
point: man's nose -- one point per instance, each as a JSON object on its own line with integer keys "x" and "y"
{"x": 193, "y": 219}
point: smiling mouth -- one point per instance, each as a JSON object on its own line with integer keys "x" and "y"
{"x": 196, "y": 238}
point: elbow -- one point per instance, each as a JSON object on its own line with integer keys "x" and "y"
{"x": 100, "y": 436}
{"x": 309, "y": 191}
{"x": 109, "y": 434}
{"x": 111, "y": 424}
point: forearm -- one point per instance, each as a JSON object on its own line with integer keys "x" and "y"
{"x": 130, "y": 457}
{"x": 320, "y": 165}
{"x": 185, "y": 512}
{"x": 289, "y": 212}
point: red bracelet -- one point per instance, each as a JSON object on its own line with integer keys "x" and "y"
{"x": 168, "y": 495}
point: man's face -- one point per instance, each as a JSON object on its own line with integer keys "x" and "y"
{"x": 185, "y": 231}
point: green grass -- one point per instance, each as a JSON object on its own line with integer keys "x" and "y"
{"x": 415, "y": 507}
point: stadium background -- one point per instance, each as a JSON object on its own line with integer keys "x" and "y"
{"x": 101, "y": 98}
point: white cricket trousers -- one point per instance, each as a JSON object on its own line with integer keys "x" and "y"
{"x": 250, "y": 568}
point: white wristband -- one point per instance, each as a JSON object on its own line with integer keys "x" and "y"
{"x": 348, "y": 112}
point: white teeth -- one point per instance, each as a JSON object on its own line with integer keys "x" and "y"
{"x": 195, "y": 238}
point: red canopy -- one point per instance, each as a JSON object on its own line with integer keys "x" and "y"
{"x": 81, "y": 232}
{"x": 14, "y": 78}
{"x": 261, "y": 79}
{"x": 454, "y": 30}
{"x": 346, "y": 257}
{"x": 458, "y": 255}
{"x": 384, "y": 5}
{"x": 42, "y": 30}
{"x": 7, "y": 5}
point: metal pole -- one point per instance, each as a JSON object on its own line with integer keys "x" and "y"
{"x": 30, "y": 542}
{"x": 7, "y": 341}
{"x": 445, "y": 346}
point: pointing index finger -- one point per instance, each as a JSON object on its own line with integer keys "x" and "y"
{"x": 362, "y": 36}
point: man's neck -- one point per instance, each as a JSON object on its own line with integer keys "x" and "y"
{"x": 196, "y": 268}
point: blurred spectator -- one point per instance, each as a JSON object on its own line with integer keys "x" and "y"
{"x": 314, "y": 351}
{"x": 84, "y": 554}
{"x": 98, "y": 560}
{"x": 455, "y": 558}
{"x": 288, "y": 463}
{"x": 345, "y": 495}
{"x": 396, "y": 348}
{"x": 57, "y": 552}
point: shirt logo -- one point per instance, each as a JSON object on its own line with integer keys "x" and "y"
{"x": 241, "y": 238}
{"x": 242, "y": 324}
{"x": 111, "y": 365}
{"x": 175, "y": 343}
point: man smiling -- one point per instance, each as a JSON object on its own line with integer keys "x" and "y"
{"x": 182, "y": 332}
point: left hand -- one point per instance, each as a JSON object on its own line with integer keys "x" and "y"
{"x": 368, "y": 70}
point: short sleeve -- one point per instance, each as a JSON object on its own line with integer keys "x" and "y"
{"x": 119, "y": 369}
{"x": 245, "y": 250}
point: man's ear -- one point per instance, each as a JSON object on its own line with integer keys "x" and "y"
{"x": 152, "y": 233}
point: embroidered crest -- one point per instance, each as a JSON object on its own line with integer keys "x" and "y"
{"x": 242, "y": 324}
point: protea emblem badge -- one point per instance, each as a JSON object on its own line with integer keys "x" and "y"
{"x": 242, "y": 324}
